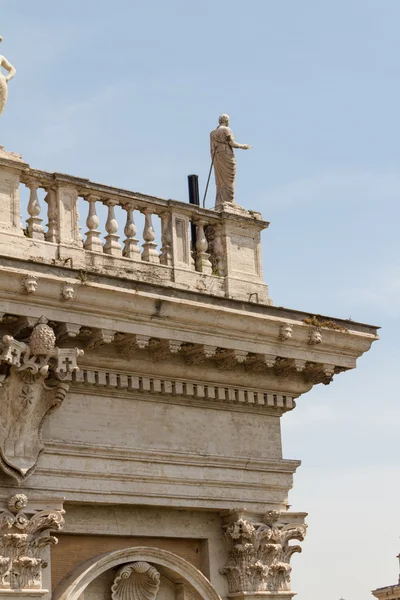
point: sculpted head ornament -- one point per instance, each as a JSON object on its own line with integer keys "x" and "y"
{"x": 285, "y": 332}
{"x": 29, "y": 284}
{"x": 68, "y": 291}
{"x": 314, "y": 337}
{"x": 223, "y": 120}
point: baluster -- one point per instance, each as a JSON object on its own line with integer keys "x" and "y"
{"x": 52, "y": 213}
{"x": 93, "y": 241}
{"x": 149, "y": 253}
{"x": 203, "y": 263}
{"x": 218, "y": 252}
{"x": 35, "y": 229}
{"x": 131, "y": 244}
{"x": 166, "y": 239}
{"x": 112, "y": 246}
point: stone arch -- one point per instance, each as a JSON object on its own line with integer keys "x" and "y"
{"x": 75, "y": 583}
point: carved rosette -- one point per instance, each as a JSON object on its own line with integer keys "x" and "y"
{"x": 24, "y": 535}
{"x": 259, "y": 554}
{"x": 31, "y": 389}
{"x": 136, "y": 581}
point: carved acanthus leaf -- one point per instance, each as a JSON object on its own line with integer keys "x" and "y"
{"x": 259, "y": 554}
{"x": 136, "y": 581}
{"x": 21, "y": 554}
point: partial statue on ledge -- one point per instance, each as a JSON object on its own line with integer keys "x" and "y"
{"x": 222, "y": 144}
{"x": 5, "y": 79}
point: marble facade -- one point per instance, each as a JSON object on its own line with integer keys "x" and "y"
{"x": 143, "y": 382}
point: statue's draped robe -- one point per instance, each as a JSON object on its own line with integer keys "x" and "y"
{"x": 3, "y": 92}
{"x": 224, "y": 164}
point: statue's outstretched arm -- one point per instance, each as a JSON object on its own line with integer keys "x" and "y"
{"x": 8, "y": 67}
{"x": 233, "y": 144}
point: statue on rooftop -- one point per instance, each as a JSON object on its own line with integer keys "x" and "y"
{"x": 222, "y": 144}
{"x": 5, "y": 79}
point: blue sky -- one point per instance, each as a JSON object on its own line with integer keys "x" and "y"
{"x": 126, "y": 94}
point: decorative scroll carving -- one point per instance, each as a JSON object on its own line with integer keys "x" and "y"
{"x": 161, "y": 349}
{"x": 283, "y": 367}
{"x": 320, "y": 373}
{"x": 259, "y": 554}
{"x": 299, "y": 364}
{"x": 136, "y": 581}
{"x": 24, "y": 535}
{"x": 128, "y": 344}
{"x": 65, "y": 331}
{"x": 228, "y": 359}
{"x": 256, "y": 363}
{"x": 30, "y": 390}
{"x": 99, "y": 338}
{"x": 198, "y": 353}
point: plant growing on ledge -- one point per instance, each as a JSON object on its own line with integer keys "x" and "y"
{"x": 319, "y": 323}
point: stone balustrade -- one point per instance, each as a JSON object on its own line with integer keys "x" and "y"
{"x": 222, "y": 257}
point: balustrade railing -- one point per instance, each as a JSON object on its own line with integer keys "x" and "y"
{"x": 56, "y": 197}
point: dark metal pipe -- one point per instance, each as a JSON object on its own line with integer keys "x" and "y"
{"x": 194, "y": 198}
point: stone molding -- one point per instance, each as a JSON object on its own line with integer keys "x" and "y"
{"x": 164, "y": 477}
{"x": 260, "y": 553}
{"x": 190, "y": 390}
{"x": 24, "y": 536}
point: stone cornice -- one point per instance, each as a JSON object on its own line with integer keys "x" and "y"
{"x": 157, "y": 315}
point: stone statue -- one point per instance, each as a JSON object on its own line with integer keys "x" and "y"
{"x": 222, "y": 144}
{"x": 5, "y": 79}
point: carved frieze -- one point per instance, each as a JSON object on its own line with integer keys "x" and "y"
{"x": 24, "y": 535}
{"x": 31, "y": 387}
{"x": 136, "y": 581}
{"x": 260, "y": 553}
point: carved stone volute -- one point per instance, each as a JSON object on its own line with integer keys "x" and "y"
{"x": 259, "y": 553}
{"x": 31, "y": 388}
